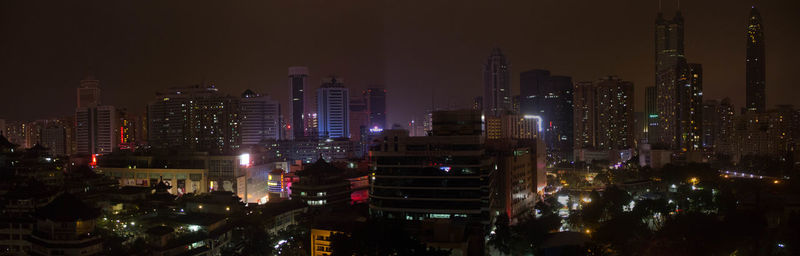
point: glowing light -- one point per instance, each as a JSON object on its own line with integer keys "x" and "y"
{"x": 539, "y": 121}
{"x": 244, "y": 159}
{"x": 375, "y": 129}
{"x": 194, "y": 228}
{"x": 445, "y": 168}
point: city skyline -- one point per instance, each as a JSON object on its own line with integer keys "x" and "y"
{"x": 714, "y": 38}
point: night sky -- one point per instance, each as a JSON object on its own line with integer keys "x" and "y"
{"x": 413, "y": 48}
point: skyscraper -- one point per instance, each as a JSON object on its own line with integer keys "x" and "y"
{"x": 54, "y": 137}
{"x": 359, "y": 117}
{"x": 756, "y": 63}
{"x": 551, "y": 98}
{"x": 651, "y": 113}
{"x": 194, "y": 118}
{"x": 669, "y": 42}
{"x": 260, "y": 118}
{"x": 711, "y": 123}
{"x": 604, "y": 116}
{"x": 298, "y": 84}
{"x": 333, "y": 109}
{"x": 496, "y": 84}
{"x": 89, "y": 92}
{"x": 95, "y": 130}
{"x": 376, "y": 103}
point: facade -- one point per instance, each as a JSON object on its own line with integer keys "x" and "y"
{"x": 359, "y": 118}
{"x": 95, "y": 130}
{"x": 520, "y": 177}
{"x": 551, "y": 98}
{"x": 260, "y": 118}
{"x": 194, "y": 118}
{"x": 442, "y": 176}
{"x": 89, "y": 92}
{"x": 711, "y": 123}
{"x": 765, "y": 133}
{"x": 333, "y": 109}
{"x": 755, "y": 63}
{"x": 604, "y": 114}
{"x": 512, "y": 126}
{"x": 298, "y": 84}
{"x": 496, "y": 84}
{"x": 724, "y": 141}
{"x": 321, "y": 185}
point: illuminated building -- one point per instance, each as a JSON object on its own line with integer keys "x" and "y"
{"x": 512, "y": 126}
{"x": 128, "y": 132}
{"x": 333, "y": 109}
{"x": 767, "y": 133}
{"x": 496, "y": 84}
{"x": 376, "y": 104}
{"x": 519, "y": 178}
{"x": 442, "y": 176}
{"x": 755, "y": 63}
{"x": 194, "y": 118}
{"x": 321, "y": 185}
{"x": 89, "y": 92}
{"x": 95, "y": 130}
{"x": 724, "y": 141}
{"x": 551, "y": 98}
{"x": 604, "y": 114}
{"x": 477, "y": 103}
{"x": 298, "y": 84}
{"x": 66, "y": 226}
{"x": 259, "y": 117}
{"x": 311, "y": 125}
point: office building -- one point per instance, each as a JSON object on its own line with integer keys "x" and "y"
{"x": 496, "y": 84}
{"x": 376, "y": 103}
{"x": 651, "y": 114}
{"x": 333, "y": 109}
{"x": 260, "y": 118}
{"x": 359, "y": 118}
{"x": 755, "y": 63}
{"x": 551, "y": 98}
{"x": 54, "y": 138}
{"x": 95, "y": 130}
{"x": 711, "y": 123}
{"x": 442, "y": 176}
{"x": 194, "y": 118}
{"x": 322, "y": 185}
{"x": 298, "y": 84}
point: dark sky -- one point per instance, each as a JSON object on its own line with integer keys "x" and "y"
{"x": 412, "y": 47}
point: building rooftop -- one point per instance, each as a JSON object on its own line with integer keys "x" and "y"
{"x": 67, "y": 208}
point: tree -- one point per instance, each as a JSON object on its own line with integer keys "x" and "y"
{"x": 501, "y": 239}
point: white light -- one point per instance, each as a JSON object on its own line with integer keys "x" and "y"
{"x": 194, "y": 228}
{"x": 538, "y": 120}
{"x": 244, "y": 159}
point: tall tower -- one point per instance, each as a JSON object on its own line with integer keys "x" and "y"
{"x": 756, "y": 63}
{"x": 298, "y": 84}
{"x": 89, "y": 92}
{"x": 376, "y": 104}
{"x": 672, "y": 73}
{"x": 333, "y": 109}
{"x": 496, "y": 84}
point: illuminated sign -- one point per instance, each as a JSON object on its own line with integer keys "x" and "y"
{"x": 375, "y": 129}
{"x": 244, "y": 159}
{"x": 445, "y": 168}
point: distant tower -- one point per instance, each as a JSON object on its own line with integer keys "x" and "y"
{"x": 89, "y": 92}
{"x": 756, "y": 63}
{"x": 298, "y": 84}
{"x": 376, "y": 104}
{"x": 497, "y": 84}
{"x": 333, "y": 109}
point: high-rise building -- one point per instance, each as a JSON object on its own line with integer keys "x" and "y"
{"x": 651, "y": 114}
{"x": 711, "y": 123}
{"x": 260, "y": 118}
{"x": 669, "y": 42}
{"x": 691, "y": 109}
{"x": 724, "y": 141}
{"x": 128, "y": 133}
{"x": 89, "y": 92}
{"x": 54, "y": 137}
{"x": 755, "y": 63}
{"x": 477, "y": 103}
{"x": 604, "y": 114}
{"x": 298, "y": 84}
{"x": 15, "y": 132}
{"x": 333, "y": 109}
{"x": 360, "y": 118}
{"x": 376, "y": 104}
{"x": 95, "y": 129}
{"x": 443, "y": 176}
{"x": 551, "y": 98}
{"x": 194, "y": 118}
{"x": 496, "y": 84}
